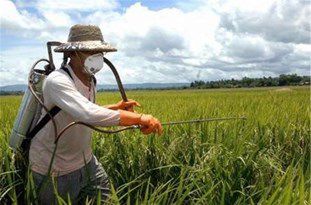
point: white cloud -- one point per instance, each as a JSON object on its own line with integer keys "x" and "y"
{"x": 212, "y": 40}
{"x": 279, "y": 21}
{"x": 13, "y": 19}
{"x": 57, "y": 18}
{"x": 16, "y": 63}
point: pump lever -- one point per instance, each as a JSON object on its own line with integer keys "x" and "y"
{"x": 49, "y": 68}
{"x": 118, "y": 79}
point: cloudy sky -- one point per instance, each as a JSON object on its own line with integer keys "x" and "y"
{"x": 164, "y": 41}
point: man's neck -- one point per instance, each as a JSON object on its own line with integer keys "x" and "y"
{"x": 78, "y": 71}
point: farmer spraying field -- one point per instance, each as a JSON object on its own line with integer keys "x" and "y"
{"x": 70, "y": 93}
{"x": 67, "y": 98}
{"x": 228, "y": 85}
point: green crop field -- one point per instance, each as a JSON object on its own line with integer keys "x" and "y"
{"x": 262, "y": 160}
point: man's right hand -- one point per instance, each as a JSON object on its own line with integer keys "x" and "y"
{"x": 148, "y": 123}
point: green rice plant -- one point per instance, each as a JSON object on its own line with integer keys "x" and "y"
{"x": 263, "y": 160}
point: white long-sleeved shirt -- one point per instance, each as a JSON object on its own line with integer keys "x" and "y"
{"x": 74, "y": 146}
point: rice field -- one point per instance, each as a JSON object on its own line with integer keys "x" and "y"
{"x": 262, "y": 160}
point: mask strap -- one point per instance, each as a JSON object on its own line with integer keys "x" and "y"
{"x": 82, "y": 64}
{"x": 79, "y": 58}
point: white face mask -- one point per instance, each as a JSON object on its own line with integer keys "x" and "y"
{"x": 94, "y": 63}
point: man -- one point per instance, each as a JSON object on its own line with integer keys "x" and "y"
{"x": 72, "y": 88}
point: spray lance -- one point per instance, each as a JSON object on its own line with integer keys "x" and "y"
{"x": 124, "y": 98}
{"x": 133, "y": 127}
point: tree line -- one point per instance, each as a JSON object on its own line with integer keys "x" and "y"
{"x": 11, "y": 92}
{"x": 281, "y": 80}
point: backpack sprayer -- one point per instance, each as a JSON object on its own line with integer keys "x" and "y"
{"x": 32, "y": 102}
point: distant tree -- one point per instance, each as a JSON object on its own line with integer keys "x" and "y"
{"x": 291, "y": 79}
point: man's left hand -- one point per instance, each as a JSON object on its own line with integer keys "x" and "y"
{"x": 129, "y": 105}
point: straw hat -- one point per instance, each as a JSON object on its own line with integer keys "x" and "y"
{"x": 85, "y": 38}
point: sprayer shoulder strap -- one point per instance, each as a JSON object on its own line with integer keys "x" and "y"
{"x": 67, "y": 71}
{"x": 43, "y": 122}
{"x": 47, "y": 116}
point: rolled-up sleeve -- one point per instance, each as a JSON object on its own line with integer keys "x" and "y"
{"x": 63, "y": 94}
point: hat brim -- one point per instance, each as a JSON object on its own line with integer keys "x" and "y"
{"x": 85, "y": 46}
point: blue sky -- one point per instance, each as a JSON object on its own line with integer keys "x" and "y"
{"x": 164, "y": 41}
